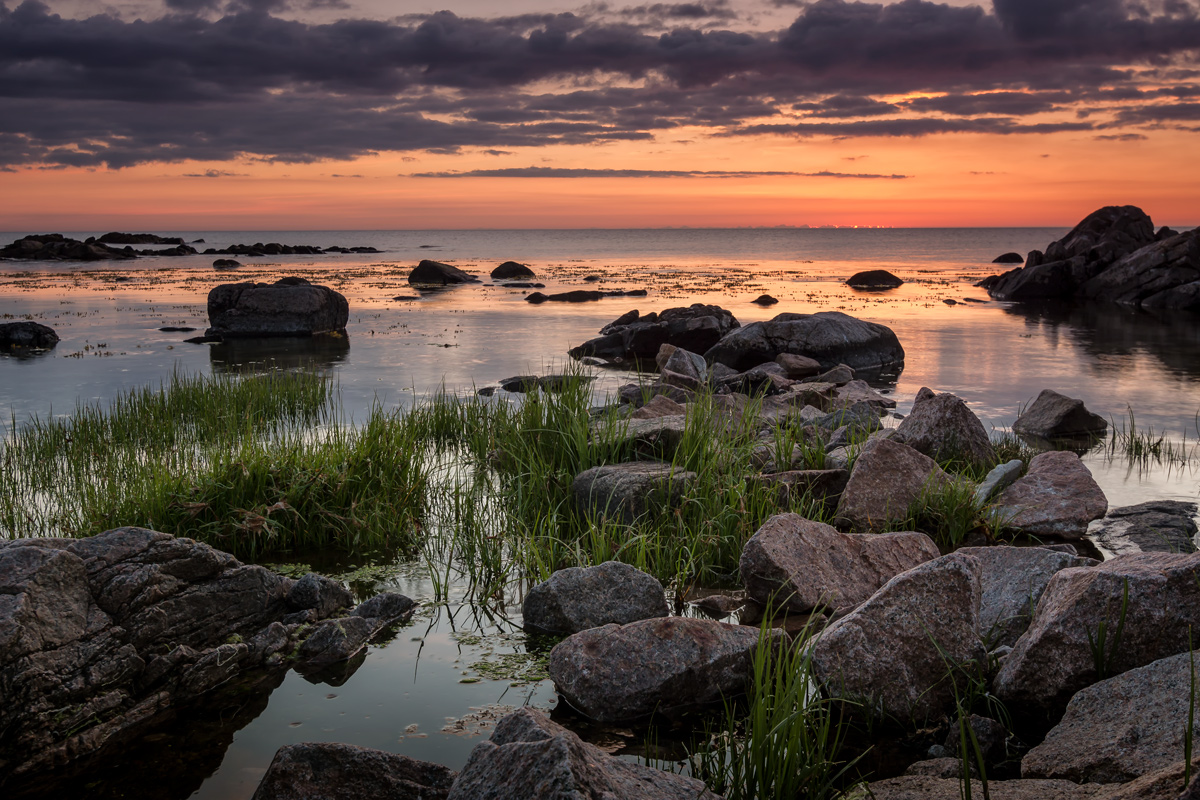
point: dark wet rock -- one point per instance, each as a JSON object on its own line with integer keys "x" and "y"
{"x": 56, "y": 247}
{"x": 1164, "y": 274}
{"x": 176, "y": 329}
{"x": 942, "y": 427}
{"x": 820, "y": 484}
{"x": 578, "y": 598}
{"x": 436, "y": 273}
{"x": 523, "y": 384}
{"x": 260, "y": 250}
{"x": 347, "y": 772}
{"x": 226, "y": 263}
{"x": 334, "y": 640}
{"x": 27, "y": 335}
{"x": 639, "y": 337}
{"x": 797, "y": 367}
{"x": 657, "y": 666}
{"x": 1056, "y": 416}
{"x": 288, "y": 307}
{"x": 138, "y": 238}
{"x": 1121, "y": 728}
{"x": 511, "y": 270}
{"x": 1009, "y": 258}
{"x": 101, "y": 634}
{"x": 888, "y": 477}
{"x": 536, "y": 298}
{"x": 323, "y": 595}
{"x": 628, "y": 491}
{"x": 990, "y": 735}
{"x": 998, "y": 479}
{"x": 591, "y": 278}
{"x": 682, "y": 362}
{"x": 1054, "y": 659}
{"x": 531, "y": 757}
{"x": 874, "y": 279}
{"x": 405, "y": 297}
{"x": 1012, "y": 581}
{"x": 800, "y": 565}
{"x": 838, "y": 376}
{"x": 1159, "y": 526}
{"x": 1057, "y": 497}
{"x": 764, "y": 300}
{"x": 829, "y": 337}
{"x": 583, "y": 296}
{"x": 389, "y": 606}
{"x": 891, "y": 653}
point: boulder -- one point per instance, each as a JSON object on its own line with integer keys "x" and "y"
{"x": 511, "y": 270}
{"x": 873, "y": 279}
{"x": 857, "y": 391}
{"x": 764, "y": 300}
{"x": 797, "y": 367}
{"x": 435, "y": 273}
{"x": 658, "y": 407}
{"x": 1151, "y": 275}
{"x": 686, "y": 363}
{"x": 621, "y": 673}
{"x": 578, "y": 598}
{"x": 630, "y": 490}
{"x": 226, "y": 263}
{"x": 323, "y": 595}
{"x": 56, "y": 247}
{"x": 1121, "y": 728}
{"x": 801, "y": 565}
{"x": 1009, "y": 258}
{"x": 1012, "y": 580}
{"x": 888, "y": 477}
{"x": 26, "y": 335}
{"x": 895, "y": 652}
{"x": 288, "y": 307}
{"x": 829, "y": 337}
{"x": 657, "y": 437}
{"x": 1159, "y": 526}
{"x": 999, "y": 478}
{"x": 347, "y": 772}
{"x": 390, "y": 607}
{"x": 1056, "y": 416}
{"x": 793, "y": 484}
{"x": 942, "y": 427}
{"x": 837, "y": 376}
{"x": 116, "y": 237}
{"x": 1055, "y": 658}
{"x": 1057, "y": 497}
{"x": 639, "y": 338}
{"x": 334, "y": 640}
{"x": 530, "y": 757}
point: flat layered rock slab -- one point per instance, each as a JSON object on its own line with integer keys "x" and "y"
{"x": 1054, "y": 659}
{"x": 1159, "y": 526}
{"x": 1057, "y": 497}
{"x": 888, "y": 477}
{"x": 801, "y": 565}
{"x": 892, "y": 652}
{"x": 579, "y": 598}
{"x": 629, "y": 672}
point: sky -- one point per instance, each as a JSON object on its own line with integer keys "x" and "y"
{"x": 371, "y": 114}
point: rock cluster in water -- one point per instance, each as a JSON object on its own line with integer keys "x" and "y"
{"x": 56, "y": 247}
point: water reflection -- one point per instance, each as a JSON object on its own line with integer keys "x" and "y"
{"x": 284, "y": 352}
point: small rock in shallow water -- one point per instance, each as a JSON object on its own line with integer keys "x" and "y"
{"x": 1055, "y": 416}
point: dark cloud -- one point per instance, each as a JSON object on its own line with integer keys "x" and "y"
{"x": 560, "y": 172}
{"x": 228, "y": 80}
{"x": 214, "y": 173}
{"x": 1121, "y": 137}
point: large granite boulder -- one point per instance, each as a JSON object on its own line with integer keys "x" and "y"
{"x": 829, "y": 337}
{"x": 628, "y": 491}
{"x": 888, "y": 477}
{"x": 1057, "y": 497}
{"x": 1012, "y": 580}
{"x": 578, "y": 598}
{"x": 942, "y": 427}
{"x": 800, "y": 565}
{"x": 1158, "y": 526}
{"x": 1056, "y": 416}
{"x": 638, "y": 338}
{"x": 1157, "y": 595}
{"x": 619, "y": 673}
{"x": 1121, "y": 728}
{"x": 26, "y": 335}
{"x": 435, "y": 273}
{"x": 896, "y": 652}
{"x": 531, "y": 757}
{"x": 288, "y": 307}
{"x": 334, "y": 771}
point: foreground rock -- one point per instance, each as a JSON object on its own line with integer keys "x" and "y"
{"x": 102, "y": 635}
{"x": 1012, "y": 580}
{"x": 621, "y": 673}
{"x": 874, "y": 279}
{"x": 798, "y": 564}
{"x": 1054, "y": 659}
{"x": 925, "y": 787}
{"x": 829, "y": 337}
{"x": 578, "y": 598}
{"x": 1056, "y": 416}
{"x": 435, "y": 273}
{"x": 511, "y": 270}
{"x": 942, "y": 427}
{"x": 633, "y": 337}
{"x": 1057, "y": 497}
{"x": 888, "y": 477}
{"x": 893, "y": 653}
{"x": 529, "y": 757}
{"x": 26, "y": 336}
{"x": 1162, "y": 275}
{"x": 628, "y": 491}
{"x": 1121, "y": 728}
{"x": 1159, "y": 526}
{"x": 288, "y": 307}
{"x": 347, "y": 772}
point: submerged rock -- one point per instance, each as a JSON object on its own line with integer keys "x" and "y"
{"x": 1057, "y": 497}
{"x": 801, "y": 565}
{"x": 1159, "y": 526}
{"x": 27, "y": 335}
{"x": 288, "y": 307}
{"x": 578, "y": 598}
{"x": 347, "y": 772}
{"x": 438, "y": 274}
{"x": 829, "y": 337}
{"x": 1056, "y": 416}
{"x": 657, "y": 666}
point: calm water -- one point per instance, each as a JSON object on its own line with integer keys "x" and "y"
{"x": 997, "y": 357}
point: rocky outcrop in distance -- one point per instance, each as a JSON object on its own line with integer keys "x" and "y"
{"x": 56, "y": 247}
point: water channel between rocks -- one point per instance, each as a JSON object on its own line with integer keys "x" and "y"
{"x": 433, "y": 691}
